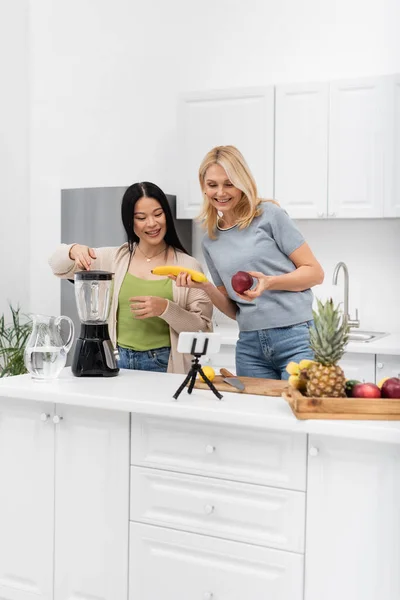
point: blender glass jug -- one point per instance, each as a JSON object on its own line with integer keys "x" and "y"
{"x": 93, "y": 295}
{"x": 95, "y": 355}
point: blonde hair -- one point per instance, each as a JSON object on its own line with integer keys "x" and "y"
{"x": 239, "y": 174}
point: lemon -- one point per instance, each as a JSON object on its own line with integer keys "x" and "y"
{"x": 382, "y": 381}
{"x": 208, "y": 372}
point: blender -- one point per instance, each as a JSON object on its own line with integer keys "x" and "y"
{"x": 95, "y": 355}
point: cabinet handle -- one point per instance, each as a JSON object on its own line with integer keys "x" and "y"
{"x": 379, "y": 365}
{"x": 44, "y": 417}
{"x": 209, "y": 509}
{"x": 210, "y": 449}
{"x": 313, "y": 451}
{"x": 57, "y": 419}
{"x": 208, "y": 596}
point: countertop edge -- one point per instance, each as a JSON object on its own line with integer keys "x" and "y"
{"x": 258, "y": 412}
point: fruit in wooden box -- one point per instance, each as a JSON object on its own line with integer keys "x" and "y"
{"x": 381, "y": 382}
{"x": 366, "y": 390}
{"x": 328, "y": 339}
{"x": 299, "y": 373}
{"x": 350, "y": 383}
{"x": 391, "y": 388}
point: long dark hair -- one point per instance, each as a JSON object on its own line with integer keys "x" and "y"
{"x": 145, "y": 189}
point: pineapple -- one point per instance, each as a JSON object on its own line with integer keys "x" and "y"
{"x": 328, "y": 339}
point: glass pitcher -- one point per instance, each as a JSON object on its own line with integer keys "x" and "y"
{"x": 45, "y": 353}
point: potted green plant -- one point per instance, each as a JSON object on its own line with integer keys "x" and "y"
{"x": 13, "y": 338}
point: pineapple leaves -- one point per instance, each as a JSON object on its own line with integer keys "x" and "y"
{"x": 329, "y": 336}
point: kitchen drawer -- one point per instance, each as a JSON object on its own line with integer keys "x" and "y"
{"x": 272, "y": 458}
{"x": 173, "y": 565}
{"x": 254, "y": 514}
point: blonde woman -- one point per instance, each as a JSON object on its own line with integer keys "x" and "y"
{"x": 147, "y": 311}
{"x": 249, "y": 234}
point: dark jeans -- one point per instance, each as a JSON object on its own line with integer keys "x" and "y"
{"x": 147, "y": 360}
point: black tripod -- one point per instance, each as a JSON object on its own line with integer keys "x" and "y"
{"x": 194, "y": 370}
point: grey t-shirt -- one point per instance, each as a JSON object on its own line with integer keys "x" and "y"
{"x": 264, "y": 246}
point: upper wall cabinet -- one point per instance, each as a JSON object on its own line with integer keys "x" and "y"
{"x": 301, "y": 149}
{"x": 332, "y": 148}
{"x": 242, "y": 118}
{"x": 358, "y": 148}
{"x": 392, "y": 204}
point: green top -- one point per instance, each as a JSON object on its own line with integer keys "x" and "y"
{"x": 142, "y": 334}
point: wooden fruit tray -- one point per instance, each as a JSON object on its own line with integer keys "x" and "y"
{"x": 373, "y": 409}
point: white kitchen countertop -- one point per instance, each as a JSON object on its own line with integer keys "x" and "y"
{"x": 390, "y": 344}
{"x": 151, "y": 393}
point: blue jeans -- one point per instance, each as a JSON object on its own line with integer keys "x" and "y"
{"x": 147, "y": 360}
{"x": 267, "y": 352}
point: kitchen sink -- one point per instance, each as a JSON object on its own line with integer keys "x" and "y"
{"x": 365, "y": 336}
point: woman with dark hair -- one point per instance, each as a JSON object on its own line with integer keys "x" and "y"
{"x": 147, "y": 311}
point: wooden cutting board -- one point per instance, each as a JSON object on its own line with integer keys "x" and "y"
{"x": 253, "y": 385}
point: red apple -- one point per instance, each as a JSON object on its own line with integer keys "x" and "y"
{"x": 391, "y": 388}
{"x": 241, "y": 281}
{"x": 366, "y": 390}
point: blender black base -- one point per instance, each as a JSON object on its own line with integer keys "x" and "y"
{"x": 94, "y": 354}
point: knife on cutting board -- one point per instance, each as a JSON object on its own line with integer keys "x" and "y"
{"x": 231, "y": 379}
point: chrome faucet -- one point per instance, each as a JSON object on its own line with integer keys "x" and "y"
{"x": 341, "y": 265}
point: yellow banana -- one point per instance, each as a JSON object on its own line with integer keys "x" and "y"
{"x": 306, "y": 363}
{"x": 175, "y": 270}
{"x": 297, "y": 382}
{"x": 293, "y": 368}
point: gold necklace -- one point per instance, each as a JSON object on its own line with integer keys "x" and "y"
{"x": 148, "y": 258}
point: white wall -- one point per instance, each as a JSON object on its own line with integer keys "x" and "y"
{"x": 105, "y": 77}
{"x": 14, "y": 168}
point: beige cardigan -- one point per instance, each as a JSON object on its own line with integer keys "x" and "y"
{"x": 191, "y": 309}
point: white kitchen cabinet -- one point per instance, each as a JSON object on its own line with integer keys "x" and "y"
{"x": 358, "y": 148}
{"x": 26, "y": 500}
{"x": 92, "y": 504}
{"x": 358, "y": 366}
{"x": 301, "y": 149}
{"x": 242, "y": 512}
{"x": 353, "y": 531}
{"x": 64, "y": 516}
{"x": 243, "y": 118}
{"x": 275, "y": 459}
{"x": 173, "y": 565}
{"x": 387, "y": 366}
{"x": 392, "y": 199}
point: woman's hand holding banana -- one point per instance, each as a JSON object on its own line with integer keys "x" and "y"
{"x": 182, "y": 276}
